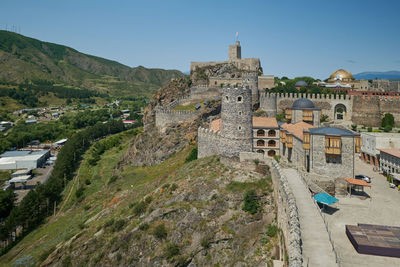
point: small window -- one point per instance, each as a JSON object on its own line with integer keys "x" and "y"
{"x": 239, "y": 99}
{"x": 240, "y": 113}
{"x": 215, "y": 83}
{"x": 227, "y": 98}
{"x": 240, "y": 128}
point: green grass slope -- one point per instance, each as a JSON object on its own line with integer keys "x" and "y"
{"x": 168, "y": 214}
{"x": 23, "y": 58}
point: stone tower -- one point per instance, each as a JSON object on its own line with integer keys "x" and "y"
{"x": 235, "y": 52}
{"x": 250, "y": 80}
{"x": 236, "y": 121}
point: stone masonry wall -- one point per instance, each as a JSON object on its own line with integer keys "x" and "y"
{"x": 288, "y": 217}
{"x": 331, "y": 171}
{"x": 361, "y": 110}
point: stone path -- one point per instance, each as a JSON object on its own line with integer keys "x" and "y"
{"x": 317, "y": 249}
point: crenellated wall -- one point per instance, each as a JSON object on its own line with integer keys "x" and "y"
{"x": 209, "y": 142}
{"x": 361, "y": 110}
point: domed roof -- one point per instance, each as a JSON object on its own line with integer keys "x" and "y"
{"x": 341, "y": 74}
{"x": 303, "y": 103}
{"x": 301, "y": 83}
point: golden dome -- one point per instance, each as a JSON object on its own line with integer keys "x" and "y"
{"x": 341, "y": 75}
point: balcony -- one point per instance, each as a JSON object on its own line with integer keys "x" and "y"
{"x": 358, "y": 145}
{"x": 289, "y": 140}
{"x": 306, "y": 140}
{"x": 307, "y": 115}
{"x": 283, "y": 137}
{"x": 333, "y": 145}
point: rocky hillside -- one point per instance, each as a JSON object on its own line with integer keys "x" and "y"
{"x": 153, "y": 146}
{"x": 23, "y": 58}
{"x": 176, "y": 213}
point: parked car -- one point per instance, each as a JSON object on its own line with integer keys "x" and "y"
{"x": 363, "y": 177}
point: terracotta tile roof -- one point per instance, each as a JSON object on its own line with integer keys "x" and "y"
{"x": 265, "y": 122}
{"x": 216, "y": 125}
{"x": 297, "y": 128}
{"x": 392, "y": 151}
{"x": 357, "y": 182}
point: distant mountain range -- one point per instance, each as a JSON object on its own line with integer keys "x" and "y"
{"x": 371, "y": 75}
{"x": 27, "y": 59}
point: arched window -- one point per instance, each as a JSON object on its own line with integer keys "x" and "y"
{"x": 215, "y": 83}
{"x": 271, "y": 153}
{"x": 260, "y": 133}
{"x": 271, "y": 143}
{"x": 260, "y": 151}
{"x": 260, "y": 143}
{"x": 271, "y": 133}
{"x": 239, "y": 99}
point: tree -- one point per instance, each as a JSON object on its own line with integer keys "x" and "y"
{"x": 388, "y": 120}
{"x": 7, "y": 199}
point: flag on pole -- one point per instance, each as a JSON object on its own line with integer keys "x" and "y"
{"x": 237, "y": 34}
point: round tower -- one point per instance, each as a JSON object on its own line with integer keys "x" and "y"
{"x": 250, "y": 80}
{"x": 236, "y": 121}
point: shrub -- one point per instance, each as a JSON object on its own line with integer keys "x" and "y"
{"x": 272, "y": 230}
{"x": 192, "y": 156}
{"x": 256, "y": 161}
{"x": 109, "y": 223}
{"x": 354, "y": 127}
{"x": 171, "y": 250}
{"x": 140, "y": 208}
{"x": 387, "y": 129}
{"x": 369, "y": 129}
{"x": 160, "y": 232}
{"x": 112, "y": 179}
{"x": 79, "y": 192}
{"x": 324, "y": 118}
{"x": 205, "y": 243}
{"x": 173, "y": 187}
{"x": 277, "y": 158}
{"x": 118, "y": 225}
{"x": 87, "y": 182}
{"x": 250, "y": 202}
{"x": 144, "y": 226}
{"x": 148, "y": 199}
{"x": 118, "y": 257}
{"x": 46, "y": 253}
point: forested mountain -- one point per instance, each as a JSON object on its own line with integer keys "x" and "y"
{"x": 27, "y": 59}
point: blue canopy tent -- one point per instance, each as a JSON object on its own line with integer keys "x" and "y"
{"x": 325, "y": 199}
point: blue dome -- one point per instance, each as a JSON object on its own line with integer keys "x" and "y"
{"x": 301, "y": 83}
{"x": 303, "y": 103}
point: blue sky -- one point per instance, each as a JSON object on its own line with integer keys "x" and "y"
{"x": 292, "y": 38}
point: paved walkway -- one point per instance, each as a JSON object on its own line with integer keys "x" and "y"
{"x": 317, "y": 249}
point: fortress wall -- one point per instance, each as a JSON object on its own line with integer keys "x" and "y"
{"x": 288, "y": 216}
{"x": 197, "y": 65}
{"x": 209, "y": 142}
{"x": 165, "y": 117}
{"x": 249, "y": 64}
{"x": 369, "y": 110}
{"x": 204, "y": 92}
{"x": 326, "y": 103}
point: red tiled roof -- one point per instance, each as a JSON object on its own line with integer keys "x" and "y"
{"x": 265, "y": 122}
{"x": 392, "y": 151}
{"x": 297, "y": 128}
